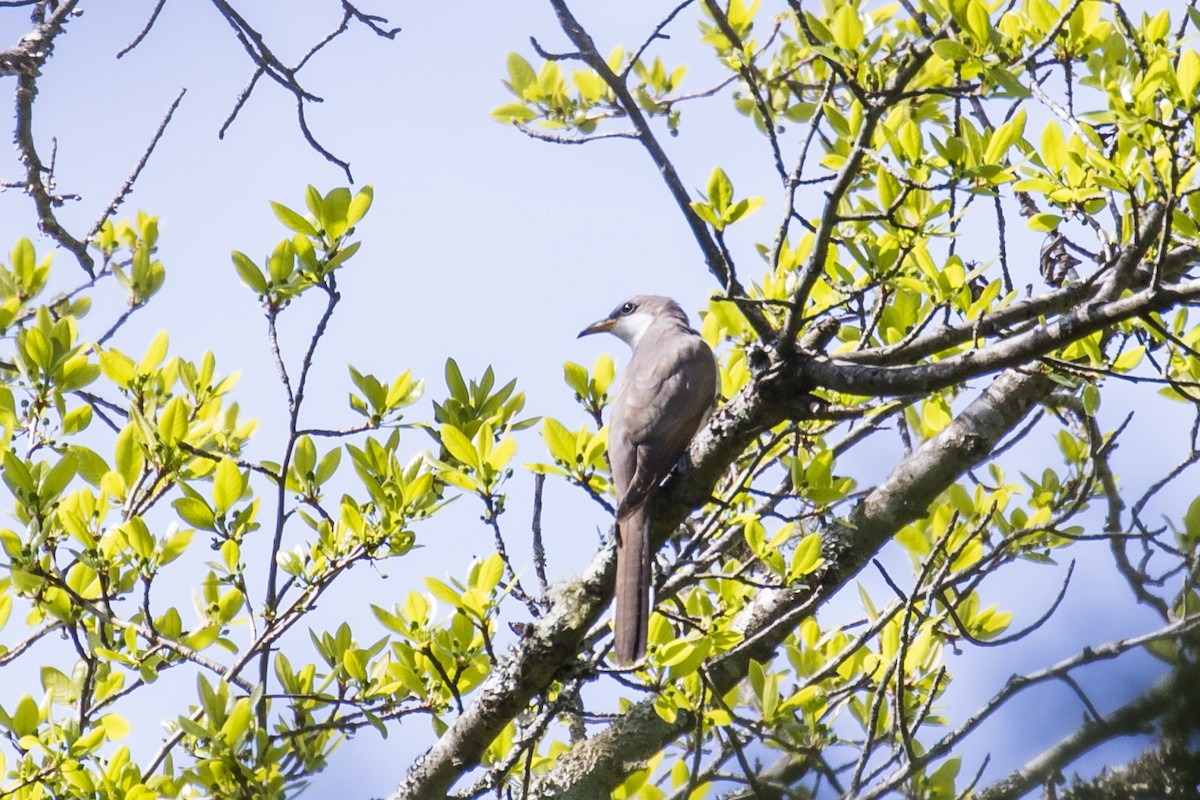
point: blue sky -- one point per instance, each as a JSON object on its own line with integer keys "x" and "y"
{"x": 482, "y": 245}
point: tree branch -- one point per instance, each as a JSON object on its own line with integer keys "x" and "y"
{"x": 1132, "y": 718}
{"x": 590, "y": 769}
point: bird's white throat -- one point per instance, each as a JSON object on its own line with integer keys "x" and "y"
{"x": 631, "y": 328}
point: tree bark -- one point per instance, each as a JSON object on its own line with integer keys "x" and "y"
{"x": 593, "y": 768}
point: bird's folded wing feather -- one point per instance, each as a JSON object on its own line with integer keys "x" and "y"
{"x": 664, "y": 403}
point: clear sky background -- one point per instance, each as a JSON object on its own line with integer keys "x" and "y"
{"x": 482, "y": 245}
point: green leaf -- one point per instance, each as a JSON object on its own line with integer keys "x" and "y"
{"x": 1054, "y": 147}
{"x": 720, "y": 191}
{"x": 502, "y": 453}
{"x": 155, "y": 354}
{"x": 23, "y": 259}
{"x": 950, "y": 50}
{"x": 312, "y": 199}
{"x": 743, "y": 207}
{"x": 282, "y": 262}
{"x": 58, "y": 684}
{"x": 354, "y": 666}
{"x": 520, "y": 75}
{"x": 305, "y": 252}
{"x": 37, "y": 349}
{"x": 18, "y": 477}
{"x": 603, "y": 372}
{"x": 978, "y": 20}
{"x": 76, "y": 420}
{"x": 128, "y": 454}
{"x": 1091, "y": 399}
{"x": 807, "y": 557}
{"x": 1129, "y": 359}
{"x": 360, "y": 205}
{"x": 1191, "y": 521}
{"x": 115, "y": 726}
{"x": 491, "y": 569}
{"x": 174, "y": 546}
{"x": 459, "y": 446}
{"x": 139, "y": 537}
{"x": 293, "y": 220}
{"x": 1188, "y": 72}
{"x": 1004, "y": 138}
{"x": 58, "y": 478}
{"x": 576, "y": 376}
{"x": 1044, "y": 222}
{"x": 443, "y": 592}
{"x": 202, "y": 638}
{"x": 328, "y": 465}
{"x": 173, "y": 421}
{"x": 234, "y": 730}
{"x": 118, "y": 367}
{"x": 846, "y": 28}
{"x": 684, "y": 664}
{"x": 708, "y": 214}
{"x": 228, "y": 486}
{"x": 304, "y": 458}
{"x": 559, "y": 440}
{"x": 25, "y": 718}
{"x": 455, "y": 382}
{"x": 514, "y": 112}
{"x": 941, "y": 782}
{"x": 343, "y": 255}
{"x": 335, "y": 209}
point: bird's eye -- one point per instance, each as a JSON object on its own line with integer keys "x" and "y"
{"x": 627, "y": 308}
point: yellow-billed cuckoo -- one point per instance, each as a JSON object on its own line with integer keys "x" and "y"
{"x": 665, "y": 393}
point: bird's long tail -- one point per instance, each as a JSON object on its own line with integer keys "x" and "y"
{"x": 633, "y": 586}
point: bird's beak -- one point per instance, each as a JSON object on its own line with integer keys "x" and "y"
{"x": 603, "y": 326}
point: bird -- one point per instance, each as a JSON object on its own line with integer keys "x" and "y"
{"x": 664, "y": 395}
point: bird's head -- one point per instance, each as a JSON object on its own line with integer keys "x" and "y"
{"x": 634, "y": 317}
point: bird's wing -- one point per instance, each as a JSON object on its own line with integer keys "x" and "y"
{"x": 664, "y": 401}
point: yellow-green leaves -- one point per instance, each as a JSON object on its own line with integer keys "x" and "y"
{"x": 719, "y": 209}
{"x": 293, "y": 220}
{"x": 545, "y": 96}
{"x": 846, "y": 28}
{"x": 1187, "y": 74}
{"x": 591, "y": 390}
{"x": 26, "y": 717}
{"x": 337, "y": 212}
{"x": 23, "y": 281}
{"x": 380, "y": 403}
{"x": 173, "y": 422}
{"x": 778, "y": 701}
{"x": 475, "y": 464}
{"x": 36, "y": 485}
{"x": 250, "y": 274}
{"x": 578, "y": 454}
{"x": 477, "y": 597}
{"x": 426, "y": 642}
{"x": 317, "y": 249}
{"x": 974, "y": 21}
{"x": 950, "y": 50}
{"x": 813, "y": 478}
{"x": 521, "y": 76}
{"x": 805, "y": 550}
{"x": 141, "y": 274}
{"x": 49, "y": 355}
{"x": 1004, "y": 137}
{"x": 475, "y": 426}
{"x": 984, "y": 624}
{"x": 399, "y": 495}
{"x": 229, "y": 484}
